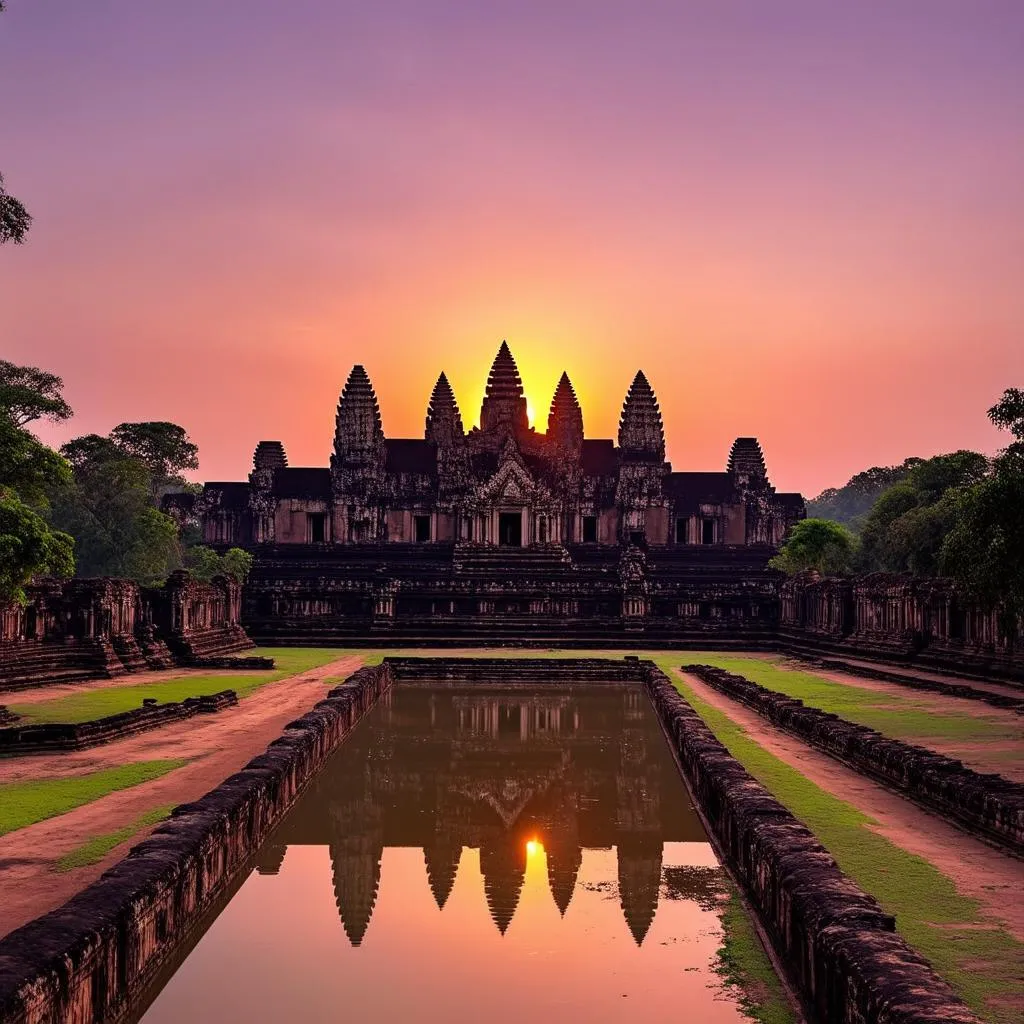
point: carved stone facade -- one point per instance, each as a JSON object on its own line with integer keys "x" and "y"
{"x": 82, "y": 629}
{"x": 500, "y": 520}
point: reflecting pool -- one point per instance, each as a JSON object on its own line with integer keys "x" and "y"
{"x": 476, "y": 853}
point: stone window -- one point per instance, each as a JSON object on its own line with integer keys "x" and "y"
{"x": 636, "y": 537}
{"x": 422, "y": 525}
{"x": 681, "y": 525}
{"x": 590, "y": 529}
{"x": 317, "y": 527}
{"x": 707, "y": 531}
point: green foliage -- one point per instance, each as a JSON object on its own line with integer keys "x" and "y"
{"x": 1008, "y": 413}
{"x": 851, "y": 503}
{"x": 14, "y": 218}
{"x": 101, "y": 701}
{"x": 25, "y": 803}
{"x": 93, "y": 851}
{"x": 27, "y": 466}
{"x": 819, "y": 544}
{"x": 109, "y": 510}
{"x": 28, "y": 393}
{"x": 163, "y": 448}
{"x": 28, "y": 547}
{"x": 905, "y": 530}
{"x": 204, "y": 563}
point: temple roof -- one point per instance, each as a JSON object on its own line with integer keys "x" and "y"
{"x": 504, "y": 401}
{"x": 444, "y": 422}
{"x": 358, "y": 431}
{"x": 746, "y": 461}
{"x": 599, "y": 457}
{"x": 410, "y": 455}
{"x": 234, "y": 496}
{"x": 640, "y": 426}
{"x": 269, "y": 455}
{"x": 694, "y": 488}
{"x": 565, "y": 419}
{"x": 302, "y": 482}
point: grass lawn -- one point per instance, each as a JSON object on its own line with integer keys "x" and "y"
{"x": 110, "y": 700}
{"x": 901, "y": 717}
{"x": 99, "y": 846}
{"x": 25, "y": 803}
{"x": 984, "y": 963}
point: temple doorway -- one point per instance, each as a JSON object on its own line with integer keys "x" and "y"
{"x": 510, "y": 529}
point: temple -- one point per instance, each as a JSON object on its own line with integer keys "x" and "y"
{"x": 499, "y": 524}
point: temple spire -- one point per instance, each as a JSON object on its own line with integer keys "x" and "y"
{"x": 442, "y": 860}
{"x": 358, "y": 433}
{"x": 504, "y": 404}
{"x": 640, "y": 428}
{"x": 565, "y": 420}
{"x": 444, "y": 422}
{"x": 746, "y": 463}
{"x": 504, "y": 869}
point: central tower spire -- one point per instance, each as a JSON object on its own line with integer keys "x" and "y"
{"x": 504, "y": 405}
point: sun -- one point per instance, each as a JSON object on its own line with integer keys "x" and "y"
{"x": 530, "y": 416}
{"x": 532, "y": 848}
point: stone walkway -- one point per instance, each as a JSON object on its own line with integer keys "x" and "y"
{"x": 977, "y": 870}
{"x": 219, "y": 745}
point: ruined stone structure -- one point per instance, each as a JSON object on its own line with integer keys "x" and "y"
{"x": 895, "y": 617}
{"x": 500, "y": 527}
{"x": 96, "y": 628}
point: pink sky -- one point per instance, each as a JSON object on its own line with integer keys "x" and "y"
{"x": 804, "y": 221}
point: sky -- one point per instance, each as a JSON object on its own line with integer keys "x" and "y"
{"x": 804, "y": 221}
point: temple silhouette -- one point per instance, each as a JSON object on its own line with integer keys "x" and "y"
{"x": 501, "y": 527}
{"x": 492, "y": 768}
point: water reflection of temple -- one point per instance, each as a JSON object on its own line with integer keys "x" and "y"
{"x": 492, "y": 769}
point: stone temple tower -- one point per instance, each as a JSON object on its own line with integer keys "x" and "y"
{"x": 504, "y": 407}
{"x": 357, "y": 464}
{"x": 641, "y": 462}
{"x": 444, "y": 429}
{"x": 565, "y": 420}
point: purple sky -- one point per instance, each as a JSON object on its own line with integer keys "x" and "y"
{"x": 804, "y": 221}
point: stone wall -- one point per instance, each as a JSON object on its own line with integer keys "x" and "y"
{"x": 920, "y": 621}
{"x": 840, "y": 947}
{"x": 989, "y": 804}
{"x": 86, "y": 960}
{"x": 34, "y": 739}
{"x": 100, "y": 628}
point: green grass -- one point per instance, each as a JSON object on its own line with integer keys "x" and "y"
{"x": 743, "y": 964}
{"x": 901, "y": 717}
{"x": 93, "y": 851}
{"x": 25, "y": 803}
{"x": 984, "y": 963}
{"x": 111, "y": 700}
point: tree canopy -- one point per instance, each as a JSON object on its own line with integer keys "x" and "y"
{"x": 820, "y": 544}
{"x": 28, "y": 547}
{"x": 28, "y": 393}
{"x": 850, "y": 503}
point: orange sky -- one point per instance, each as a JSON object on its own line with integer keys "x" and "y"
{"x": 808, "y": 226}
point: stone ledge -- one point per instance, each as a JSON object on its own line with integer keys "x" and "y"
{"x": 54, "y": 736}
{"x": 840, "y": 947}
{"x": 87, "y": 959}
{"x": 990, "y": 804}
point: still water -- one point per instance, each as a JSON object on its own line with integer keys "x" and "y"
{"x": 476, "y": 853}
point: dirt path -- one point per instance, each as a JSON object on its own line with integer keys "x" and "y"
{"x": 39, "y": 694}
{"x": 977, "y": 870}
{"x": 220, "y": 744}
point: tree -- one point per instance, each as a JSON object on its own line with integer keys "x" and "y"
{"x": 908, "y": 522}
{"x": 163, "y": 447}
{"x": 28, "y": 393}
{"x": 28, "y": 467}
{"x": 14, "y": 218}
{"x": 204, "y": 563}
{"x": 109, "y": 510}
{"x": 852, "y": 502}
{"x": 984, "y": 549}
{"x": 28, "y": 547}
{"x": 820, "y": 544}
